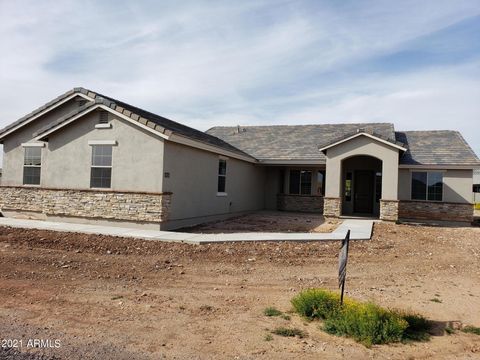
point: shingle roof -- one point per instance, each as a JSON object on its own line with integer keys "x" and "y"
{"x": 440, "y": 147}
{"x": 152, "y": 120}
{"x": 293, "y": 142}
{"x": 358, "y": 132}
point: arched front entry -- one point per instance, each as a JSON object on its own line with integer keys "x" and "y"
{"x": 361, "y": 186}
{"x": 368, "y": 158}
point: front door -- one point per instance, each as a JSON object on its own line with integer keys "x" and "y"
{"x": 363, "y": 192}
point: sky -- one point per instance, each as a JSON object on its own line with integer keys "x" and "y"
{"x": 205, "y": 63}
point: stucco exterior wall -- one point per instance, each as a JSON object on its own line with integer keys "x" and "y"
{"x": 362, "y": 145}
{"x": 457, "y": 185}
{"x": 137, "y": 159}
{"x": 272, "y": 187}
{"x": 192, "y": 179}
{"x": 13, "y": 152}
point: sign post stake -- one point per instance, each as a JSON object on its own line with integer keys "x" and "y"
{"x": 342, "y": 264}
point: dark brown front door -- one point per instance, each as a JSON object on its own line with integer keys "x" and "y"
{"x": 363, "y": 192}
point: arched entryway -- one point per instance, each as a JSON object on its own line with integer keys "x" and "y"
{"x": 361, "y": 186}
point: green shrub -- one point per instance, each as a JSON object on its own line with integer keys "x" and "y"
{"x": 472, "y": 330}
{"x": 367, "y": 323}
{"x": 271, "y": 311}
{"x": 316, "y": 303}
{"x": 283, "y": 331}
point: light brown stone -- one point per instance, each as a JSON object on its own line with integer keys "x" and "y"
{"x": 433, "y": 210}
{"x": 301, "y": 203}
{"x": 130, "y": 206}
{"x": 332, "y": 207}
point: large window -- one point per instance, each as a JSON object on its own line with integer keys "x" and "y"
{"x": 222, "y": 176}
{"x": 427, "y": 186}
{"x": 300, "y": 182}
{"x": 101, "y": 174}
{"x": 32, "y": 165}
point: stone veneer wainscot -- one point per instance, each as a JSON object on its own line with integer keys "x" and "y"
{"x": 389, "y": 210}
{"x": 332, "y": 207}
{"x": 302, "y": 203}
{"x": 433, "y": 210}
{"x": 96, "y": 204}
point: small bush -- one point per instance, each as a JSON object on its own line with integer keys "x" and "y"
{"x": 285, "y": 317}
{"x": 271, "y": 311}
{"x": 268, "y": 337}
{"x": 437, "y": 300}
{"x": 472, "y": 330}
{"x": 316, "y": 303}
{"x": 282, "y": 331}
{"x": 367, "y": 323}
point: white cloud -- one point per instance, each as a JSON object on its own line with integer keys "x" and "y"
{"x": 210, "y": 63}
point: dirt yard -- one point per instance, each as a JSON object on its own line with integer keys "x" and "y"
{"x": 269, "y": 221}
{"x": 114, "y": 298}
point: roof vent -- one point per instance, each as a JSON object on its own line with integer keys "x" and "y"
{"x": 239, "y": 130}
{"x": 103, "y": 119}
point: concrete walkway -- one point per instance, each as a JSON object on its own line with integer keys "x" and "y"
{"x": 359, "y": 230}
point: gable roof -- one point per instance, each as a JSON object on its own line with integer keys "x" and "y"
{"x": 42, "y": 110}
{"x": 436, "y": 147}
{"x": 153, "y": 121}
{"x": 293, "y": 142}
{"x": 361, "y": 132}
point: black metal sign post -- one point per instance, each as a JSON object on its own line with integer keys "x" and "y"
{"x": 342, "y": 264}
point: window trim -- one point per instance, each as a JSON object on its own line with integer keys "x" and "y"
{"x": 426, "y": 185}
{"x": 102, "y": 167}
{"x": 222, "y": 193}
{"x": 300, "y": 170}
{"x": 32, "y": 166}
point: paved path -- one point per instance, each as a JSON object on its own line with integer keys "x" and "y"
{"x": 360, "y": 230}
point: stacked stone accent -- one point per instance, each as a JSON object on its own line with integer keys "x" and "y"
{"x": 332, "y": 207}
{"x": 301, "y": 203}
{"x": 432, "y": 210}
{"x": 129, "y": 206}
{"x": 389, "y": 210}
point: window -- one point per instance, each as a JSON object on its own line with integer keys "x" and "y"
{"x": 32, "y": 165}
{"x": 321, "y": 182}
{"x": 222, "y": 176}
{"x": 300, "y": 182}
{"x": 427, "y": 186}
{"x": 348, "y": 187}
{"x": 378, "y": 186}
{"x": 101, "y": 175}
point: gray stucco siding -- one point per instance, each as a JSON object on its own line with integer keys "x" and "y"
{"x": 137, "y": 159}
{"x": 13, "y": 152}
{"x": 193, "y": 176}
{"x": 457, "y": 184}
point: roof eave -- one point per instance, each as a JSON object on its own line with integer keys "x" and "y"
{"x": 336, "y": 143}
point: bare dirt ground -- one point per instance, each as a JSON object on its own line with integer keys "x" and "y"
{"x": 269, "y": 221}
{"x": 115, "y": 298}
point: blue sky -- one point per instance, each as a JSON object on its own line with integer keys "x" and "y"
{"x": 413, "y": 63}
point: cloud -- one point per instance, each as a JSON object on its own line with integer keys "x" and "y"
{"x": 250, "y": 62}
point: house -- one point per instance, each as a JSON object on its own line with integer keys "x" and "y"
{"x": 85, "y": 157}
